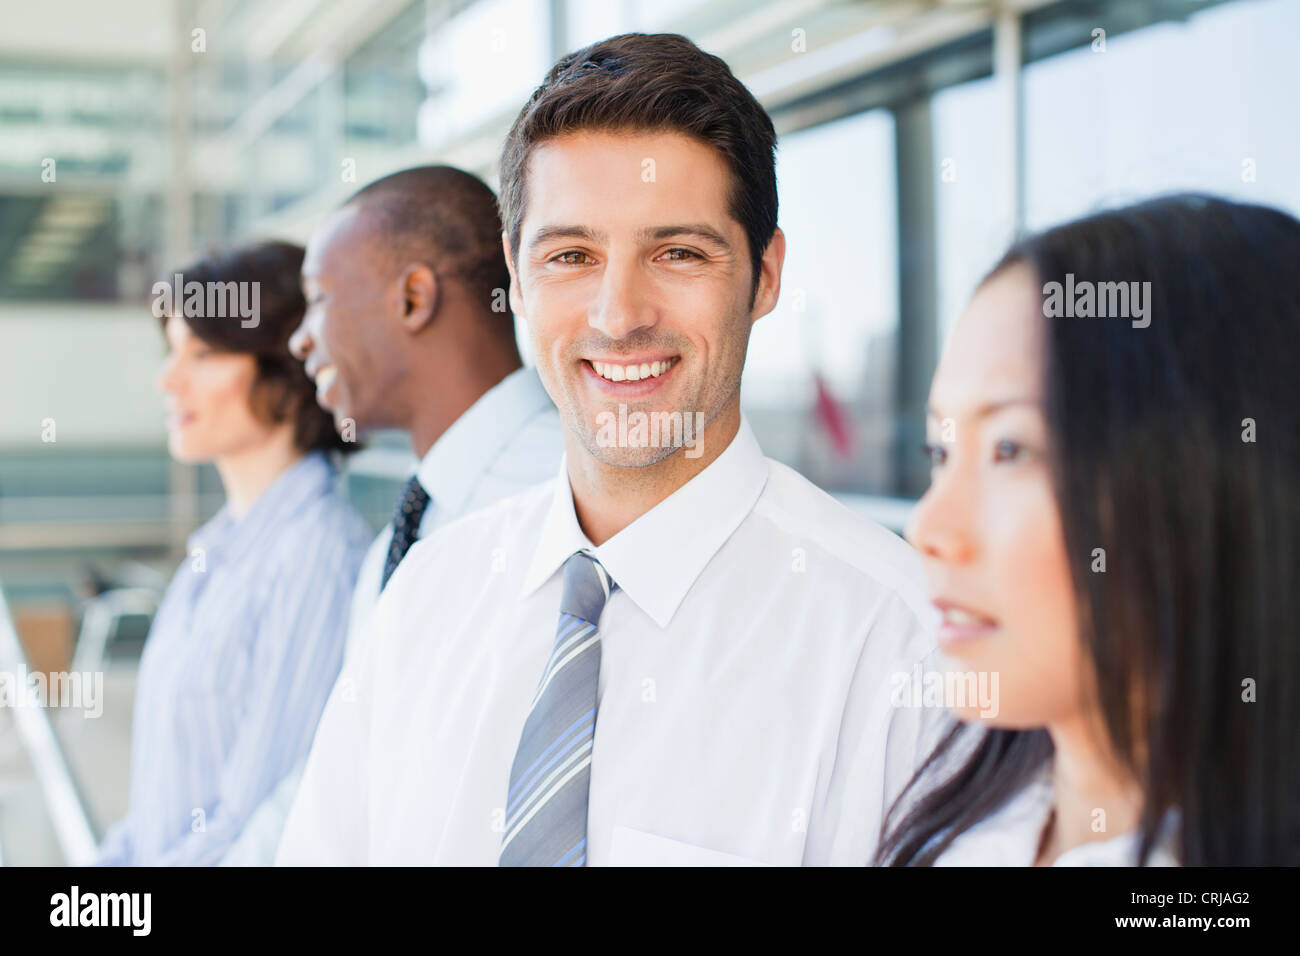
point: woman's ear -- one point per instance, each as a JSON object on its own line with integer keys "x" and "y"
{"x": 419, "y": 297}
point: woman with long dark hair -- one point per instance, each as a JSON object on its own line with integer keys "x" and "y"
{"x": 1112, "y": 530}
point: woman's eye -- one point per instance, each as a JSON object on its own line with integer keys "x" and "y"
{"x": 936, "y": 453}
{"x": 1007, "y": 450}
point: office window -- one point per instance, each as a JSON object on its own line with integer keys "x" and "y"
{"x": 837, "y": 318}
{"x": 1208, "y": 105}
{"x": 973, "y": 206}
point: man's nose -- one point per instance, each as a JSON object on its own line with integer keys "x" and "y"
{"x": 624, "y": 305}
{"x": 300, "y": 343}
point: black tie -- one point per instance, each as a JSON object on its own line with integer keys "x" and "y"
{"x": 406, "y": 526}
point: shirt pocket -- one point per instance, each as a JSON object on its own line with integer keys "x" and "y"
{"x": 629, "y": 847}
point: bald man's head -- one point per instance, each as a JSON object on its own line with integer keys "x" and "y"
{"x": 441, "y": 216}
{"x": 407, "y": 308}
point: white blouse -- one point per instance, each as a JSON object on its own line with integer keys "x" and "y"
{"x": 1011, "y": 837}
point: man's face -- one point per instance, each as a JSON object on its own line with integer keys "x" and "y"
{"x": 350, "y": 336}
{"x": 635, "y": 282}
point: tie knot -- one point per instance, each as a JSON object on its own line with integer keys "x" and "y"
{"x": 414, "y": 497}
{"x": 587, "y": 586}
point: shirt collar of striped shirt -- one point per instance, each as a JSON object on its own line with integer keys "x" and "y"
{"x": 657, "y": 558}
{"x": 299, "y": 484}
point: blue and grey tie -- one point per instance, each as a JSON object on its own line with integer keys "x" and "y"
{"x": 546, "y": 805}
{"x": 406, "y": 526}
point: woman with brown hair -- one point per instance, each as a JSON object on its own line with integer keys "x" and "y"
{"x": 249, "y": 637}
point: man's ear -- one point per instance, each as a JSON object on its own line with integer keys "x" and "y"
{"x": 419, "y": 288}
{"x": 769, "y": 275}
{"x": 516, "y": 297}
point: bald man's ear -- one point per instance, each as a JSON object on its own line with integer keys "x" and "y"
{"x": 516, "y": 297}
{"x": 419, "y": 297}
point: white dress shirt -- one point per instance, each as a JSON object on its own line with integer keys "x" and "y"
{"x": 743, "y": 712}
{"x": 1012, "y": 834}
{"x": 509, "y": 440}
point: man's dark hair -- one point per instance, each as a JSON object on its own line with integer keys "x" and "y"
{"x": 444, "y": 217}
{"x": 281, "y": 390}
{"x": 657, "y": 82}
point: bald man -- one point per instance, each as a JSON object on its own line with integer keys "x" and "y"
{"x": 408, "y": 326}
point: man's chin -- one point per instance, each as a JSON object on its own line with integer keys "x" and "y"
{"x": 621, "y": 450}
{"x": 344, "y": 420}
{"x": 630, "y": 457}
{"x": 637, "y": 436}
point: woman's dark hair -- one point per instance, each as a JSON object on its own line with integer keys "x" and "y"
{"x": 1174, "y": 448}
{"x": 281, "y": 390}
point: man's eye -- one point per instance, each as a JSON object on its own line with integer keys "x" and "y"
{"x": 936, "y": 453}
{"x": 681, "y": 255}
{"x": 572, "y": 258}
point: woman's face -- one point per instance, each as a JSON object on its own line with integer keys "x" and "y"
{"x": 988, "y": 528}
{"x": 207, "y": 392}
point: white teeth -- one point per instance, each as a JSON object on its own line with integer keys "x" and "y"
{"x": 325, "y": 378}
{"x": 957, "y": 616}
{"x": 632, "y": 373}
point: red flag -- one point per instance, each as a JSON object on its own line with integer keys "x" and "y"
{"x": 833, "y": 417}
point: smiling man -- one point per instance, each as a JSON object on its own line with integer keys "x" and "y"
{"x": 661, "y": 656}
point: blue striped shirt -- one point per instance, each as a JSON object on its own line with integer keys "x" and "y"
{"x": 239, "y": 662}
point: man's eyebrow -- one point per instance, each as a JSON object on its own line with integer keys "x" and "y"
{"x": 698, "y": 230}
{"x": 649, "y": 234}
{"x": 566, "y": 232}
{"x": 983, "y": 411}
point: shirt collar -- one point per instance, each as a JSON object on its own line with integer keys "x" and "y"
{"x": 1013, "y": 833}
{"x": 691, "y": 525}
{"x": 451, "y": 468}
{"x": 304, "y": 481}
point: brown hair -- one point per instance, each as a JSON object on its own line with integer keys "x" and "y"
{"x": 660, "y": 81}
{"x": 281, "y": 389}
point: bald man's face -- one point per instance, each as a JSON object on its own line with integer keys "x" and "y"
{"x": 351, "y": 337}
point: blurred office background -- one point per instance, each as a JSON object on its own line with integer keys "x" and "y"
{"x": 916, "y": 138}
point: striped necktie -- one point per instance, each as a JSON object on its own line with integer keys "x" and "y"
{"x": 406, "y": 526}
{"x": 546, "y": 805}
